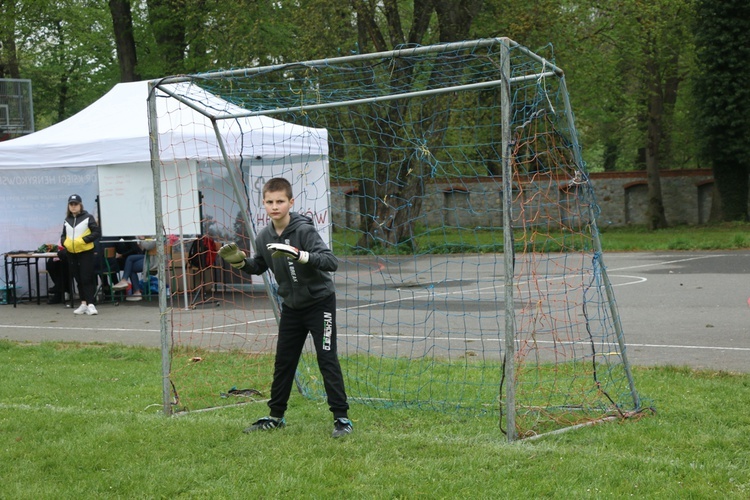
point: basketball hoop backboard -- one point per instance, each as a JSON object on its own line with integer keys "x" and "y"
{"x": 16, "y": 108}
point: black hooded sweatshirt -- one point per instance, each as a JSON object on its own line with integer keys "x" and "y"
{"x": 300, "y": 285}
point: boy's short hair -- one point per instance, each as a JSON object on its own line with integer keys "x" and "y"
{"x": 278, "y": 184}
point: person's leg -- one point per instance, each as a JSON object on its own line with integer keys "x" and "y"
{"x": 74, "y": 262}
{"x": 73, "y": 273}
{"x": 126, "y": 271}
{"x": 321, "y": 321}
{"x": 136, "y": 266}
{"x": 55, "y": 292}
{"x": 292, "y": 335}
{"x": 87, "y": 285}
{"x": 133, "y": 265}
{"x": 59, "y": 273}
{"x": 52, "y": 266}
{"x": 66, "y": 274}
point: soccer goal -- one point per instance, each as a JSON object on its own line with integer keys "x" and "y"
{"x": 449, "y": 182}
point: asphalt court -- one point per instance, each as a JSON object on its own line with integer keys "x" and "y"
{"x": 678, "y": 308}
{"x": 684, "y": 308}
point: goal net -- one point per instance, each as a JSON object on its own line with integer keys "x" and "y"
{"x": 448, "y": 181}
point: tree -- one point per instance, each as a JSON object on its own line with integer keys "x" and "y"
{"x": 122, "y": 23}
{"x": 625, "y": 60}
{"x": 722, "y": 38}
{"x": 64, "y": 47}
{"x": 167, "y": 19}
{"x": 663, "y": 25}
{"x": 626, "y": 79}
{"x": 8, "y": 57}
{"x": 399, "y": 181}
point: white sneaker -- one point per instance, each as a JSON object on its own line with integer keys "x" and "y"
{"x": 122, "y": 285}
{"x": 92, "y": 310}
{"x": 82, "y": 309}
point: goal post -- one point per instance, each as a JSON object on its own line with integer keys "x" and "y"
{"x": 449, "y": 182}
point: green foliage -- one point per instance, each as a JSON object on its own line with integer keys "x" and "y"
{"x": 740, "y": 241}
{"x": 616, "y": 57}
{"x": 66, "y": 49}
{"x": 722, "y": 33}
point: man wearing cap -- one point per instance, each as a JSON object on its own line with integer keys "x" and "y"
{"x": 80, "y": 231}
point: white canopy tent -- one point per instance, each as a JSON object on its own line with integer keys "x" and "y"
{"x": 114, "y": 130}
{"x": 102, "y": 153}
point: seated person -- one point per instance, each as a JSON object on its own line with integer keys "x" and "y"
{"x": 133, "y": 266}
{"x": 124, "y": 249}
{"x": 57, "y": 269}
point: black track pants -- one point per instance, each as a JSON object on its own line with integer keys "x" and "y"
{"x": 82, "y": 270}
{"x": 320, "y": 321}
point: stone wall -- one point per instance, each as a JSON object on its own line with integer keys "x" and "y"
{"x": 621, "y": 196}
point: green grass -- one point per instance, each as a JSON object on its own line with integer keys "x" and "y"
{"x": 549, "y": 396}
{"x": 728, "y": 236}
{"x": 85, "y": 421}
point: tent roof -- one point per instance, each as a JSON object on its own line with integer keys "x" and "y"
{"x": 114, "y": 130}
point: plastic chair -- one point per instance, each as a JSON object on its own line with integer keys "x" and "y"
{"x": 103, "y": 269}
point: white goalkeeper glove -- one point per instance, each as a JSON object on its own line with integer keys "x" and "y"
{"x": 282, "y": 250}
{"x": 233, "y": 255}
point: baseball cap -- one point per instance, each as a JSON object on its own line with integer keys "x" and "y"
{"x": 74, "y": 198}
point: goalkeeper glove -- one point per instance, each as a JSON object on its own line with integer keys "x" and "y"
{"x": 281, "y": 250}
{"x": 233, "y": 255}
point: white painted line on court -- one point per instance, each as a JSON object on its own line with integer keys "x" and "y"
{"x": 550, "y": 342}
{"x": 636, "y": 279}
{"x": 392, "y": 337}
{"x": 708, "y": 347}
{"x": 77, "y": 328}
{"x": 667, "y": 262}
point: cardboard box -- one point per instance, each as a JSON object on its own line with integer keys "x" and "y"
{"x": 177, "y": 263}
{"x": 193, "y": 277}
{"x": 176, "y": 281}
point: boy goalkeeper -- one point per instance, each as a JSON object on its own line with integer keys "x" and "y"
{"x": 292, "y": 249}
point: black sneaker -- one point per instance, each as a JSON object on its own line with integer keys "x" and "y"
{"x": 266, "y": 424}
{"x": 342, "y": 427}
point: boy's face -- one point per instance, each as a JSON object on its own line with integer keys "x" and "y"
{"x": 277, "y": 204}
